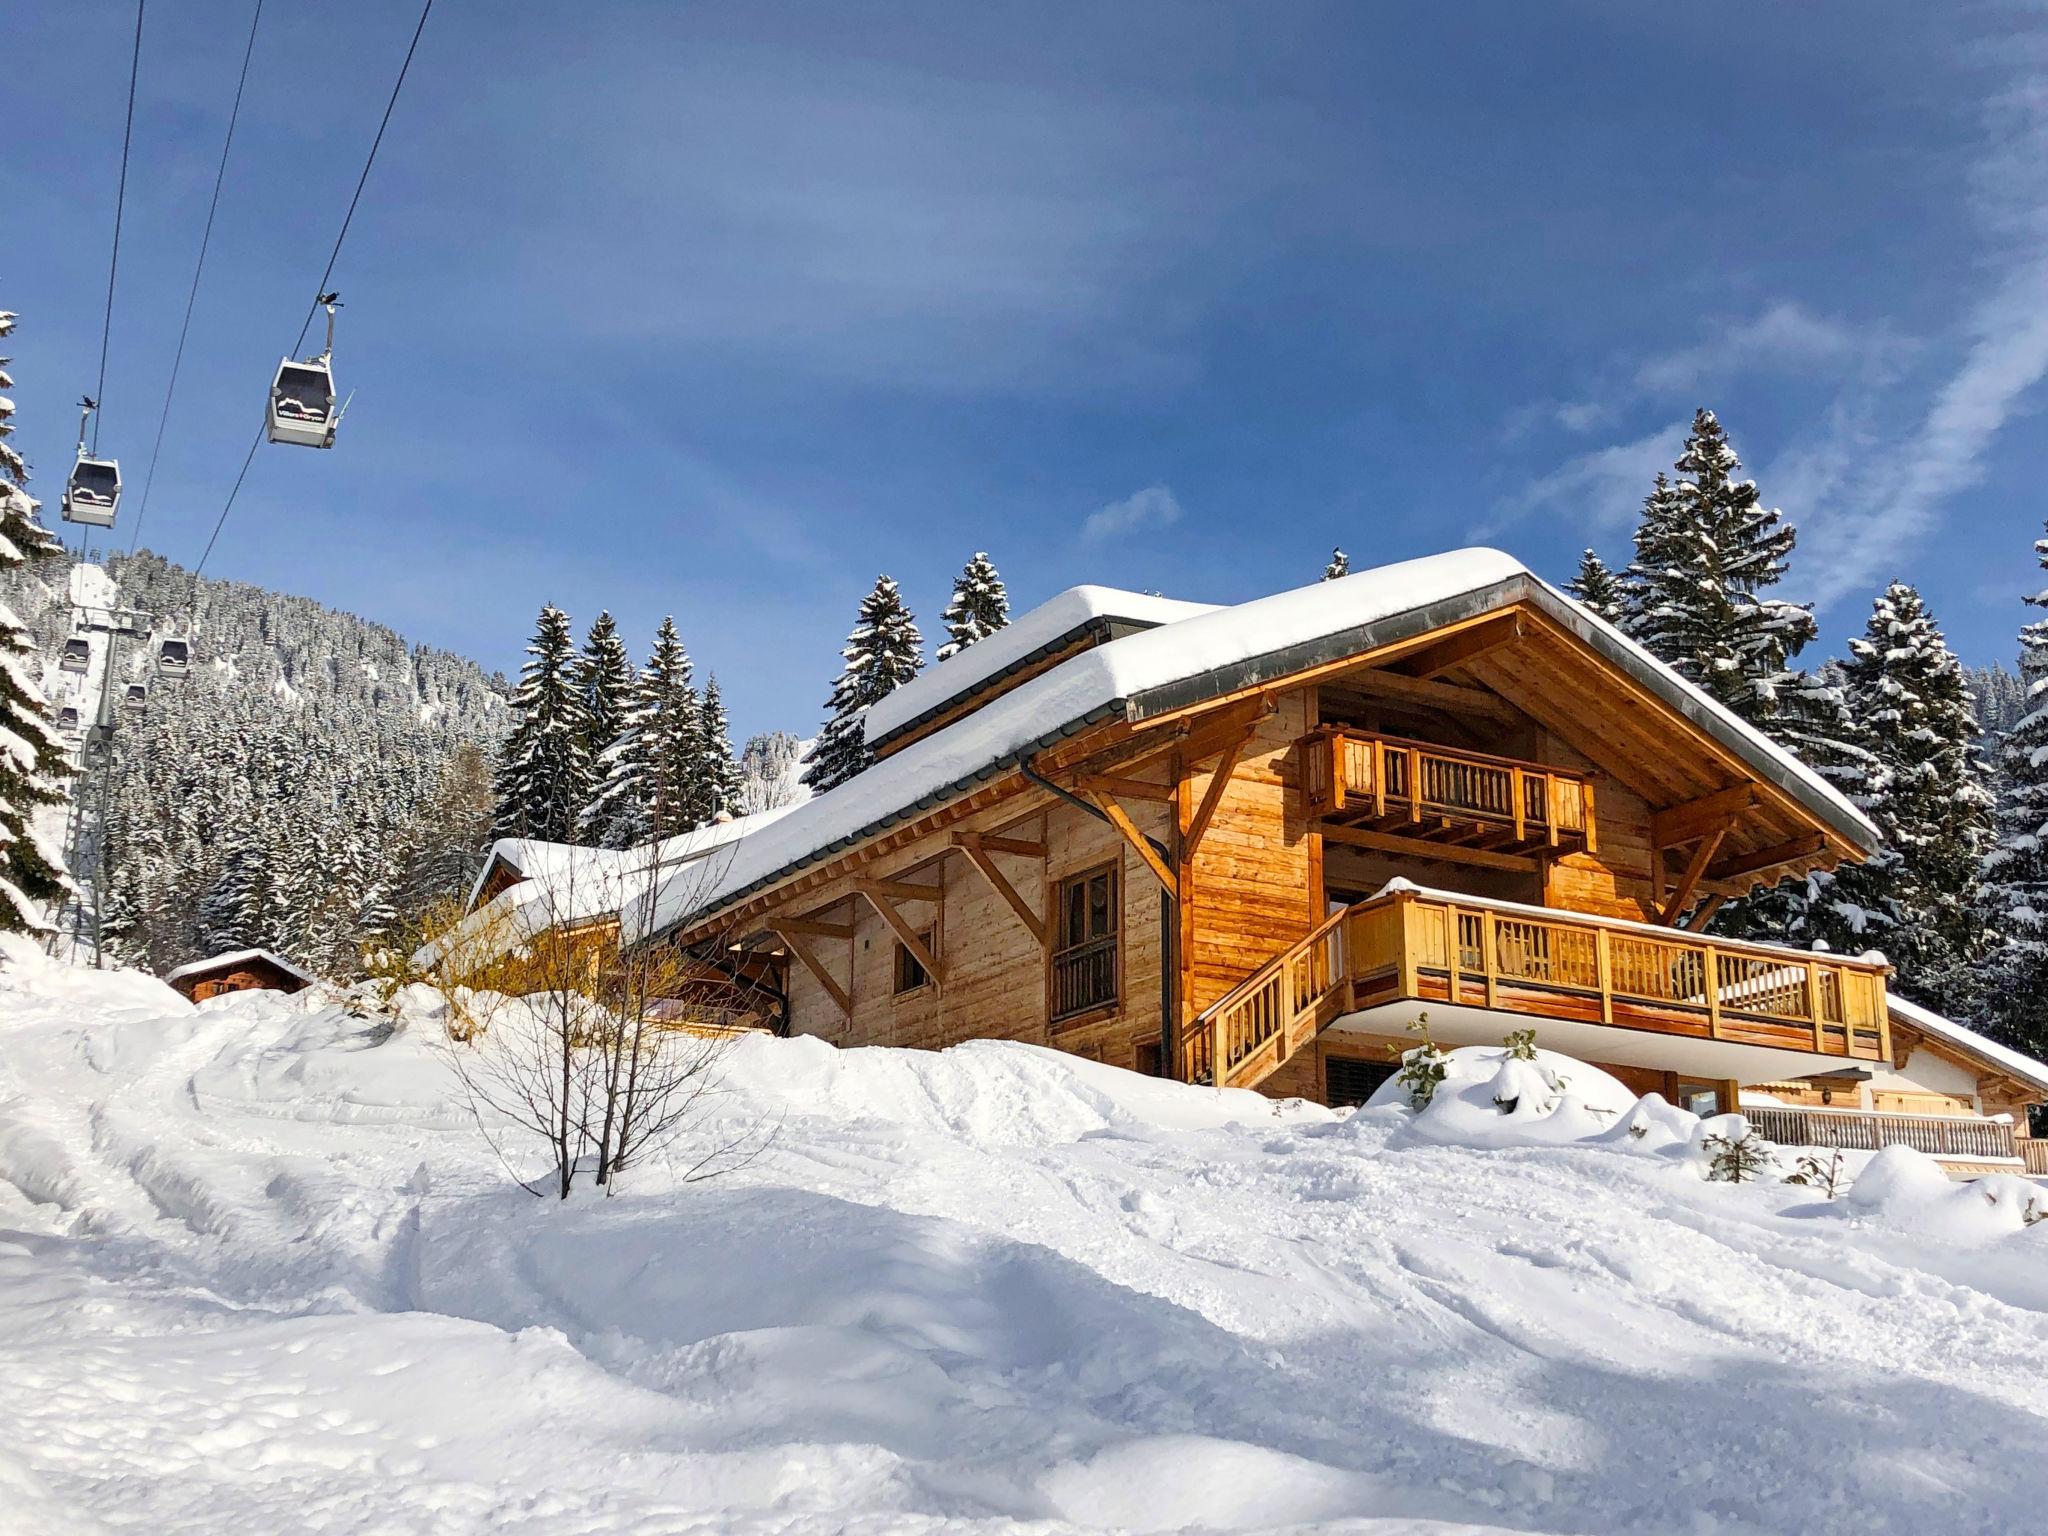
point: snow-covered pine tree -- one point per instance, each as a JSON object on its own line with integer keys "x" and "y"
{"x": 2001, "y": 698}
{"x": 1707, "y": 550}
{"x": 980, "y": 606}
{"x": 1919, "y": 899}
{"x": 2016, "y": 871}
{"x": 668, "y": 741}
{"x": 721, "y": 772}
{"x": 604, "y": 673}
{"x": 1597, "y": 588}
{"x": 544, "y": 768}
{"x": 882, "y": 654}
{"x": 1340, "y": 565}
{"x": 32, "y": 878}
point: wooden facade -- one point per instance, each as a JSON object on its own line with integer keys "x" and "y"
{"x": 246, "y": 971}
{"x": 1105, "y": 895}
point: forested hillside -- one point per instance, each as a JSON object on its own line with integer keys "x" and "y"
{"x": 312, "y": 776}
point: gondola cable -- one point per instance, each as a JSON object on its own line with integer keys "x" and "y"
{"x": 120, "y": 202}
{"x": 192, "y": 298}
{"x": 322, "y": 291}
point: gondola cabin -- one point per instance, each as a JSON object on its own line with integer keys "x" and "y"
{"x": 67, "y": 719}
{"x": 302, "y": 404}
{"x": 77, "y": 655}
{"x": 136, "y": 699}
{"x": 174, "y": 658}
{"x": 93, "y": 493}
{"x": 242, "y": 970}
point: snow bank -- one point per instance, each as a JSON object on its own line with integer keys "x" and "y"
{"x": 1908, "y": 1188}
{"x": 259, "y": 1272}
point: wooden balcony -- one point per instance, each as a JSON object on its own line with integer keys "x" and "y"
{"x": 1442, "y": 794}
{"x": 1956, "y": 1138}
{"x": 1425, "y": 947}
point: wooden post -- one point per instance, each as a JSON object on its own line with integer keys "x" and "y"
{"x": 1820, "y": 1042}
{"x": 1487, "y": 951}
{"x": 1414, "y": 784}
{"x": 1379, "y": 777}
{"x": 1713, "y": 969}
{"x": 1404, "y": 912}
{"x": 1728, "y": 1096}
{"x": 1451, "y": 956}
{"x": 1518, "y": 799}
{"x": 1603, "y": 969}
{"x": 1586, "y": 816}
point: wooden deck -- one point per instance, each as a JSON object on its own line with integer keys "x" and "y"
{"x": 1391, "y": 785}
{"x": 1422, "y": 947}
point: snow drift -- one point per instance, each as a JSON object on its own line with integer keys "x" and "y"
{"x": 259, "y": 1272}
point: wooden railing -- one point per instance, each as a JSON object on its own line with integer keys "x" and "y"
{"x": 1411, "y": 945}
{"x": 1960, "y": 1137}
{"x": 1274, "y": 1011}
{"x": 1084, "y": 977}
{"x": 1347, "y": 771}
{"x": 2034, "y": 1153}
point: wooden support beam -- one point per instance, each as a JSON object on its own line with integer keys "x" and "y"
{"x": 878, "y": 894}
{"x": 1196, "y": 738}
{"x": 1735, "y": 866}
{"x": 812, "y": 928}
{"x": 816, "y": 967}
{"x": 1679, "y": 824}
{"x": 1703, "y": 914}
{"x": 1023, "y": 848}
{"x": 1128, "y": 789}
{"x": 900, "y": 890}
{"x": 1212, "y": 797}
{"x": 977, "y": 851}
{"x": 1121, "y": 820}
{"x": 1416, "y": 848}
{"x": 1446, "y": 696}
{"x": 1702, "y": 855}
{"x": 1467, "y": 645}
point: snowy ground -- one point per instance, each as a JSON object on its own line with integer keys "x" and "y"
{"x": 258, "y": 1273}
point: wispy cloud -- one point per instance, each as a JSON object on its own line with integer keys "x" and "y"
{"x": 1785, "y": 337}
{"x": 1601, "y": 490}
{"x": 1153, "y": 507}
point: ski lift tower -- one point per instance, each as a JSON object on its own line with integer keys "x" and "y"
{"x": 96, "y": 775}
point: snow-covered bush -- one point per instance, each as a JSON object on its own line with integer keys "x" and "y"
{"x": 1910, "y": 1189}
{"x": 1829, "y": 1175}
{"x": 1422, "y": 1067}
{"x": 1483, "y": 1095}
{"x": 1735, "y": 1154}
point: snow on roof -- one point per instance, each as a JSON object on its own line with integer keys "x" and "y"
{"x": 1049, "y": 627}
{"x": 2004, "y": 1057}
{"x": 567, "y": 884}
{"x": 1184, "y": 662}
{"x": 232, "y": 958}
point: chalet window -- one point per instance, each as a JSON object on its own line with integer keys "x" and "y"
{"x": 910, "y": 971}
{"x": 1084, "y": 961}
{"x": 1350, "y": 1081}
{"x": 1148, "y": 1059}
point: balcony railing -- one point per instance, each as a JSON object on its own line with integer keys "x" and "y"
{"x": 1965, "y": 1138}
{"x": 1398, "y": 784}
{"x": 1084, "y": 977}
{"x": 1422, "y": 946}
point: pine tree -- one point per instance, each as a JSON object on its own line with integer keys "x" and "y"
{"x": 32, "y": 877}
{"x": 655, "y": 785}
{"x": 604, "y": 674}
{"x": 1919, "y": 899}
{"x": 1706, "y": 552}
{"x": 979, "y": 608}
{"x": 1597, "y": 589}
{"x": 882, "y": 654}
{"x": 721, "y": 773}
{"x": 1340, "y": 565}
{"x": 2016, "y": 871}
{"x": 544, "y": 769}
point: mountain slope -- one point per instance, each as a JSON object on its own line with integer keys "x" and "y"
{"x": 310, "y": 771}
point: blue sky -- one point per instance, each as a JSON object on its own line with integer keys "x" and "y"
{"x": 721, "y": 310}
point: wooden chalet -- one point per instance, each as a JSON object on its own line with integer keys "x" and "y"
{"x": 242, "y": 970}
{"x": 1250, "y": 845}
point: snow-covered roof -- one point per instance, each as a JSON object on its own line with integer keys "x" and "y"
{"x": 1179, "y": 664}
{"x": 566, "y": 884}
{"x": 1078, "y": 612}
{"x": 233, "y": 958}
{"x": 2004, "y": 1057}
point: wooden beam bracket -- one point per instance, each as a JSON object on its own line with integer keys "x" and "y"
{"x": 878, "y": 893}
{"x": 816, "y": 967}
{"x": 977, "y": 850}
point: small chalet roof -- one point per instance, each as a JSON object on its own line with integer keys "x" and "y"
{"x": 567, "y": 884}
{"x": 2003, "y": 1057}
{"x": 1099, "y": 613}
{"x": 1209, "y": 653}
{"x": 232, "y": 959}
